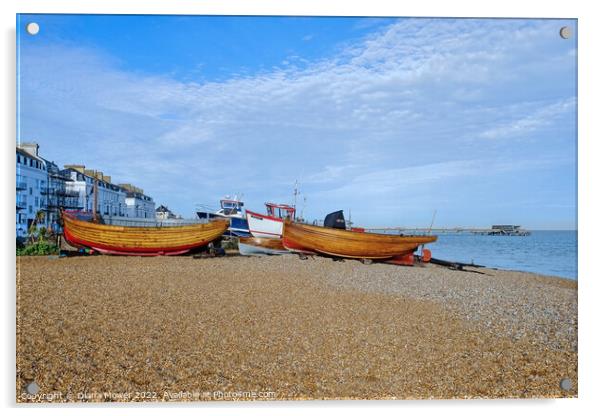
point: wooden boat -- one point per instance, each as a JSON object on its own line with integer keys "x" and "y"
{"x": 270, "y": 225}
{"x": 344, "y": 243}
{"x": 249, "y": 246}
{"x": 140, "y": 241}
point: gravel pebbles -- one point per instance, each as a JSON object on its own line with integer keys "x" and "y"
{"x": 106, "y": 328}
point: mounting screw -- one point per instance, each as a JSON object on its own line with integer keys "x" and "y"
{"x": 32, "y": 28}
{"x": 32, "y": 388}
{"x": 565, "y": 32}
{"x": 566, "y": 384}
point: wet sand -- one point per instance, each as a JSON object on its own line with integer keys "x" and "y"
{"x": 107, "y": 328}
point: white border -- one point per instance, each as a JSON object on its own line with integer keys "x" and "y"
{"x": 589, "y": 207}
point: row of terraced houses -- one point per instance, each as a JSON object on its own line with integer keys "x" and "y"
{"x": 43, "y": 186}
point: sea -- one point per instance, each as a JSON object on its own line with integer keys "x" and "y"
{"x": 551, "y": 253}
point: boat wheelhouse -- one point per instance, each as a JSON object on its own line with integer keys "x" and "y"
{"x": 270, "y": 225}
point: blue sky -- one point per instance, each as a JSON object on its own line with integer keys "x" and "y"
{"x": 389, "y": 118}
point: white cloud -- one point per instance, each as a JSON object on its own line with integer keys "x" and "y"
{"x": 412, "y": 94}
{"x": 540, "y": 117}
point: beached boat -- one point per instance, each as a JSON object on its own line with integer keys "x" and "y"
{"x": 249, "y": 246}
{"x": 139, "y": 241}
{"x": 338, "y": 242}
{"x": 269, "y": 225}
{"x": 232, "y": 209}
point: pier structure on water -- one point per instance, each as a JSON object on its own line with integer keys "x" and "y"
{"x": 497, "y": 230}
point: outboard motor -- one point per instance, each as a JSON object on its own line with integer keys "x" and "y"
{"x": 335, "y": 220}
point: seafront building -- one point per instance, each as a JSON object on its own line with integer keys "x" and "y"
{"x": 110, "y": 199}
{"x": 163, "y": 213}
{"x": 42, "y": 186}
{"x": 57, "y": 194}
{"x": 137, "y": 204}
{"x": 32, "y": 178}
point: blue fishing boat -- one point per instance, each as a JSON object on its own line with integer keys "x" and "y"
{"x": 232, "y": 209}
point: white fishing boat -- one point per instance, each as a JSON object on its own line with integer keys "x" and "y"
{"x": 269, "y": 225}
{"x": 252, "y": 246}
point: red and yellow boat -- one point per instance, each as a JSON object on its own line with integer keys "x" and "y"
{"x": 335, "y": 242}
{"x": 140, "y": 241}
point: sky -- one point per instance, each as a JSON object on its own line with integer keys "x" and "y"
{"x": 389, "y": 119}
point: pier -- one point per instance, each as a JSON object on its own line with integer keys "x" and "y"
{"x": 497, "y": 230}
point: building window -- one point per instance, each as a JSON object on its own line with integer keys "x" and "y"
{"x": 30, "y": 210}
{"x": 30, "y": 190}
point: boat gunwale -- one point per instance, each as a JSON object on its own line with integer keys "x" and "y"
{"x": 121, "y": 228}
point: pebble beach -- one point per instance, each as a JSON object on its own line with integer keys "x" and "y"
{"x": 104, "y": 328}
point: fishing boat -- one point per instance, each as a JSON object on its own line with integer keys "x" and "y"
{"x": 340, "y": 242}
{"x": 139, "y": 241}
{"x": 269, "y": 225}
{"x": 249, "y": 246}
{"x": 232, "y": 209}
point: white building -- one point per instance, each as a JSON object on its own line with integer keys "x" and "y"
{"x": 42, "y": 187}
{"x": 112, "y": 200}
{"x": 32, "y": 179}
{"x": 163, "y": 213}
{"x": 137, "y": 204}
{"x": 58, "y": 195}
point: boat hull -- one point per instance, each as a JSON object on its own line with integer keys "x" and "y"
{"x": 260, "y": 246}
{"x": 122, "y": 240}
{"x": 239, "y": 227}
{"x": 264, "y": 226}
{"x": 343, "y": 243}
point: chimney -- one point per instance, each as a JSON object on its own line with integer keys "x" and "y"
{"x": 79, "y": 168}
{"x": 31, "y": 148}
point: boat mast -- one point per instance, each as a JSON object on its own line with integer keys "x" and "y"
{"x": 303, "y": 209}
{"x": 295, "y": 193}
{"x": 432, "y": 222}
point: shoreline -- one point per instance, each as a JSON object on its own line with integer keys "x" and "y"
{"x": 303, "y": 329}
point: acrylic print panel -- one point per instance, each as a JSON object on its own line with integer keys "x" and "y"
{"x": 148, "y": 147}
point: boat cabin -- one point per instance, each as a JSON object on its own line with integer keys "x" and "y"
{"x": 282, "y": 211}
{"x": 230, "y": 207}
